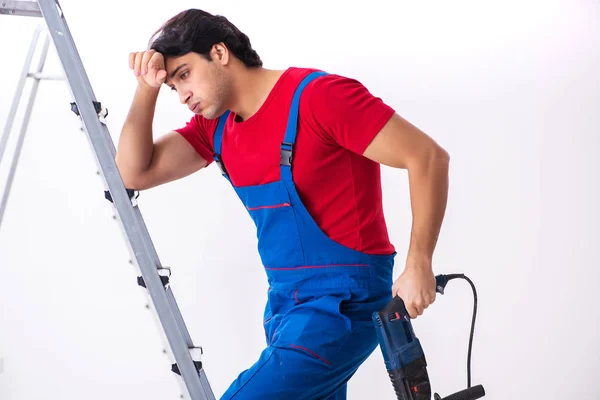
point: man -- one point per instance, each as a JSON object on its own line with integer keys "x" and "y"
{"x": 302, "y": 149}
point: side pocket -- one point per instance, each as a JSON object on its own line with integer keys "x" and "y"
{"x": 316, "y": 327}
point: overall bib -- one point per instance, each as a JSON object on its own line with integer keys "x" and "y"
{"x": 321, "y": 295}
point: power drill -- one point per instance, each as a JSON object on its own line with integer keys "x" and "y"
{"x": 403, "y": 354}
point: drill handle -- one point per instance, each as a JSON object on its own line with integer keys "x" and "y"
{"x": 397, "y": 379}
{"x": 397, "y": 304}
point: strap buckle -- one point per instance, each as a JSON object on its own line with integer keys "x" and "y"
{"x": 286, "y": 154}
{"x": 220, "y": 163}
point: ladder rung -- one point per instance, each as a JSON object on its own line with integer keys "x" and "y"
{"x": 47, "y": 77}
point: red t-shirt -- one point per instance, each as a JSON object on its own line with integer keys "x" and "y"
{"x": 339, "y": 187}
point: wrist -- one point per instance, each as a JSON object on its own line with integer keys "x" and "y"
{"x": 144, "y": 88}
{"x": 419, "y": 260}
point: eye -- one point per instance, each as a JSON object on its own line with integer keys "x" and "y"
{"x": 184, "y": 75}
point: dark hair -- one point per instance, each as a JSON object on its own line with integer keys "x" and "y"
{"x": 196, "y": 30}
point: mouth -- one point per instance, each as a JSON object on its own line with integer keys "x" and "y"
{"x": 194, "y": 107}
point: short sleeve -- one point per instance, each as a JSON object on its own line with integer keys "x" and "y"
{"x": 196, "y": 133}
{"x": 345, "y": 111}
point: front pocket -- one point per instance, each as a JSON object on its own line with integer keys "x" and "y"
{"x": 267, "y": 206}
{"x": 277, "y": 233}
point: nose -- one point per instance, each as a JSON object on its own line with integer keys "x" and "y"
{"x": 184, "y": 96}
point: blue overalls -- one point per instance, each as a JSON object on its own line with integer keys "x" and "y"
{"x": 321, "y": 294}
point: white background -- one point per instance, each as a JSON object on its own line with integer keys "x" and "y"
{"x": 510, "y": 89}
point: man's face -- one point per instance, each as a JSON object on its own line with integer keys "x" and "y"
{"x": 202, "y": 85}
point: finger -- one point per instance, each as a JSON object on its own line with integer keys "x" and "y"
{"x": 132, "y": 60}
{"x": 161, "y": 76}
{"x": 412, "y": 311}
{"x": 157, "y": 66}
{"x": 431, "y": 298}
{"x": 156, "y": 61}
{"x": 420, "y": 307}
{"x": 145, "y": 59}
{"x": 138, "y": 63}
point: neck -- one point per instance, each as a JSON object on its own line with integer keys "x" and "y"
{"x": 251, "y": 87}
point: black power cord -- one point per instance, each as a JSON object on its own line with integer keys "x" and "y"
{"x": 442, "y": 280}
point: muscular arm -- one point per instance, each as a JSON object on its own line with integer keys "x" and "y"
{"x": 399, "y": 144}
{"x": 362, "y": 123}
{"x": 144, "y": 163}
{"x": 172, "y": 158}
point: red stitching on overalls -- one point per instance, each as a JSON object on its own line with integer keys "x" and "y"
{"x": 320, "y": 266}
{"x": 273, "y": 206}
{"x": 311, "y": 352}
{"x": 296, "y": 296}
{"x": 273, "y": 336}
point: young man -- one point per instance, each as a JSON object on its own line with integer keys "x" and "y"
{"x": 302, "y": 149}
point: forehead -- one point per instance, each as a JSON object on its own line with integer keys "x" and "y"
{"x": 172, "y": 63}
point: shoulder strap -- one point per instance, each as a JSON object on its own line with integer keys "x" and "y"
{"x": 287, "y": 146}
{"x": 218, "y": 140}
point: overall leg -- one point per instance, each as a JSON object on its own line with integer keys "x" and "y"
{"x": 298, "y": 374}
{"x": 315, "y": 348}
{"x": 340, "y": 394}
{"x": 286, "y": 374}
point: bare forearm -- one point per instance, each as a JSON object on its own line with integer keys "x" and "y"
{"x": 135, "y": 148}
{"x": 428, "y": 183}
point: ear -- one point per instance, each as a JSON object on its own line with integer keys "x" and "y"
{"x": 220, "y": 54}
